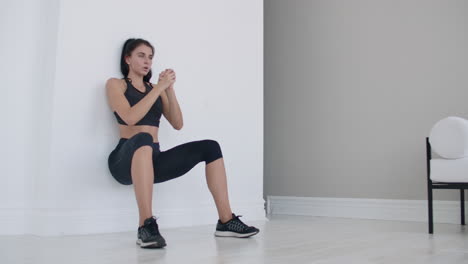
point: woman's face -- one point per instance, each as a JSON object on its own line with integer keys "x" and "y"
{"x": 140, "y": 60}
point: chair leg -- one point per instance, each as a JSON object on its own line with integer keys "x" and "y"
{"x": 462, "y": 205}
{"x": 429, "y": 201}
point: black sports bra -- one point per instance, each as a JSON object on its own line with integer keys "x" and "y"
{"x": 134, "y": 96}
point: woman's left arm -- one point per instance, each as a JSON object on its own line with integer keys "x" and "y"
{"x": 172, "y": 112}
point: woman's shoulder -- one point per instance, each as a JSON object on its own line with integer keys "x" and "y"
{"x": 113, "y": 80}
{"x": 113, "y": 83}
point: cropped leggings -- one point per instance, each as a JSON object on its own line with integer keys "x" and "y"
{"x": 167, "y": 164}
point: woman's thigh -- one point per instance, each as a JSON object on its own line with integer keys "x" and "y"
{"x": 179, "y": 160}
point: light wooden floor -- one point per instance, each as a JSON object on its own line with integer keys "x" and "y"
{"x": 283, "y": 239}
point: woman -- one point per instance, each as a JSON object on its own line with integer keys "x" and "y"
{"x": 137, "y": 159}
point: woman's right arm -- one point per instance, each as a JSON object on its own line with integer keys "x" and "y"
{"x": 115, "y": 89}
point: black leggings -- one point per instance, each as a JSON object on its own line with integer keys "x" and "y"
{"x": 167, "y": 164}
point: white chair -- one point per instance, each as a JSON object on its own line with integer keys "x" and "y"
{"x": 449, "y": 139}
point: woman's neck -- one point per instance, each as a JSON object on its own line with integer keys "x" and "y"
{"x": 136, "y": 79}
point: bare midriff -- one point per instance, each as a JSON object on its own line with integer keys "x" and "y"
{"x": 130, "y": 131}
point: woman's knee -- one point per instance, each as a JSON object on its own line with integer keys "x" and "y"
{"x": 142, "y": 144}
{"x": 144, "y": 150}
{"x": 212, "y": 150}
{"x": 142, "y": 139}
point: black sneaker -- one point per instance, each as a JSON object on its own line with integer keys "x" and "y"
{"x": 149, "y": 236}
{"x": 235, "y": 228}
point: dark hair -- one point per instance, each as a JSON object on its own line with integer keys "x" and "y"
{"x": 127, "y": 49}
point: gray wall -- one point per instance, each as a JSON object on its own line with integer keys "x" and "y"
{"x": 352, "y": 89}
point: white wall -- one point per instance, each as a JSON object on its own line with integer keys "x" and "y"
{"x": 12, "y": 194}
{"x": 216, "y": 48}
{"x": 28, "y": 30}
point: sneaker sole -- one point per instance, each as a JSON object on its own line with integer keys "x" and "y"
{"x": 152, "y": 244}
{"x": 233, "y": 234}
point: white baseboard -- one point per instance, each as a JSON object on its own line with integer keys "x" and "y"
{"x": 381, "y": 209}
{"x": 57, "y": 222}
